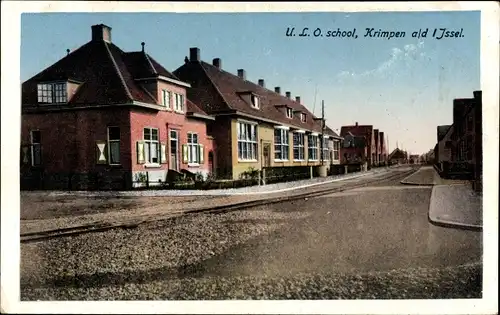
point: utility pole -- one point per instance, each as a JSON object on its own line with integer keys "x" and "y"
{"x": 322, "y": 132}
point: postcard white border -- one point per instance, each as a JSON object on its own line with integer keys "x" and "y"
{"x": 11, "y": 21}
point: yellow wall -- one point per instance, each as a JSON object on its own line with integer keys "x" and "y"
{"x": 265, "y": 133}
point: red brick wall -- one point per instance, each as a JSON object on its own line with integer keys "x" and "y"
{"x": 69, "y": 137}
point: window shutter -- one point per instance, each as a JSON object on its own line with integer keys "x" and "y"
{"x": 202, "y": 154}
{"x": 140, "y": 152}
{"x": 185, "y": 157}
{"x": 163, "y": 153}
{"x": 101, "y": 149}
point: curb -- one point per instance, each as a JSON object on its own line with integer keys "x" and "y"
{"x": 405, "y": 181}
{"x": 449, "y": 223}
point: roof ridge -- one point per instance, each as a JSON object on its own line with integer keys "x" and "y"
{"x": 118, "y": 71}
{"x": 150, "y": 63}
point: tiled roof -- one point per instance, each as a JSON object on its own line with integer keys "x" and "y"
{"x": 193, "y": 108}
{"x": 219, "y": 91}
{"x": 106, "y": 72}
{"x": 359, "y": 130}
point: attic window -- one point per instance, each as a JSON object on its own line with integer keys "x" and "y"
{"x": 303, "y": 117}
{"x": 255, "y": 101}
{"x": 289, "y": 112}
{"x": 52, "y": 93}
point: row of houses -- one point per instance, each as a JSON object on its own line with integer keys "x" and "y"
{"x": 101, "y": 111}
{"x": 458, "y": 151}
{"x": 363, "y": 144}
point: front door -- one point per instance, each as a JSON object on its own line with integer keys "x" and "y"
{"x": 266, "y": 152}
{"x": 174, "y": 150}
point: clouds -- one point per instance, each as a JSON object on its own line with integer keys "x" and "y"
{"x": 398, "y": 57}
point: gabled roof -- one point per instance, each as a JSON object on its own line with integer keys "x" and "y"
{"x": 107, "y": 75}
{"x": 397, "y": 154}
{"x": 195, "y": 111}
{"x": 441, "y": 131}
{"x": 357, "y": 130}
{"x": 219, "y": 91}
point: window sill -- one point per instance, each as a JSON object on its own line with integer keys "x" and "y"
{"x": 248, "y": 161}
{"x": 193, "y": 165}
{"x": 281, "y": 160}
{"x": 311, "y": 160}
{"x": 115, "y": 165}
{"x": 152, "y": 165}
{"x": 178, "y": 111}
{"x": 298, "y": 161}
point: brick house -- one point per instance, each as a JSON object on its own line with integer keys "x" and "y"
{"x": 255, "y": 127}
{"x": 442, "y": 151}
{"x": 355, "y": 153}
{"x": 377, "y": 155}
{"x": 398, "y": 156}
{"x": 103, "y": 118}
{"x": 383, "y": 149}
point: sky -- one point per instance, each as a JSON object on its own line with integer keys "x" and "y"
{"x": 403, "y": 86}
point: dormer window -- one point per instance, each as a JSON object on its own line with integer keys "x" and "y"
{"x": 255, "y": 101}
{"x": 52, "y": 93}
{"x": 289, "y": 112}
{"x": 303, "y": 117}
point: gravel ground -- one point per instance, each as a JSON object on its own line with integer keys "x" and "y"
{"x": 161, "y": 246}
{"x": 420, "y": 283}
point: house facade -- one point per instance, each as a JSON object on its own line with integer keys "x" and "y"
{"x": 255, "y": 127}
{"x": 398, "y": 156}
{"x": 362, "y": 144}
{"x": 442, "y": 152}
{"x": 104, "y": 118}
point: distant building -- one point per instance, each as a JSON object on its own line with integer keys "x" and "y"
{"x": 398, "y": 156}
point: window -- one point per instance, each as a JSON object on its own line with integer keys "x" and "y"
{"x": 324, "y": 154}
{"x": 50, "y": 93}
{"x": 165, "y": 96}
{"x": 36, "y": 148}
{"x": 289, "y": 113}
{"x": 255, "y": 101}
{"x": 298, "y": 146}
{"x": 281, "y": 147}
{"x": 179, "y": 103}
{"x": 193, "y": 148}
{"x": 151, "y": 145}
{"x": 114, "y": 145}
{"x": 336, "y": 149}
{"x": 247, "y": 141}
{"x": 312, "y": 144}
{"x": 303, "y": 117}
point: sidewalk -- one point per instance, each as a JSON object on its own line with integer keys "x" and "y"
{"x": 453, "y": 202}
{"x": 456, "y": 205}
{"x": 251, "y": 190}
{"x": 428, "y": 176}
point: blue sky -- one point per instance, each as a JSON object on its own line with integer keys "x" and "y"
{"x": 403, "y": 86}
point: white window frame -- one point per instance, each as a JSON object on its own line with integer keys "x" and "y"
{"x": 179, "y": 102}
{"x": 283, "y": 145}
{"x": 336, "y": 149}
{"x": 148, "y": 145}
{"x": 193, "y": 149}
{"x": 255, "y": 101}
{"x": 247, "y": 141}
{"x": 55, "y": 93}
{"x": 32, "y": 147}
{"x": 289, "y": 112}
{"x": 303, "y": 117}
{"x": 326, "y": 156}
{"x": 312, "y": 148}
{"x": 300, "y": 146}
{"x": 166, "y": 97}
{"x": 110, "y": 141}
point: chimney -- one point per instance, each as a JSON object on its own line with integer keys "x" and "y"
{"x": 101, "y": 32}
{"x": 277, "y": 90}
{"x": 261, "y": 83}
{"x": 194, "y": 54}
{"x": 356, "y": 124}
{"x": 478, "y": 95}
{"x": 297, "y": 99}
{"x": 242, "y": 74}
{"x": 288, "y": 94}
{"x": 217, "y": 63}
{"x": 67, "y": 52}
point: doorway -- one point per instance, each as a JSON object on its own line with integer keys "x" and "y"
{"x": 266, "y": 154}
{"x": 174, "y": 150}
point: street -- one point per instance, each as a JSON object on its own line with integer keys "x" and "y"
{"x": 372, "y": 242}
